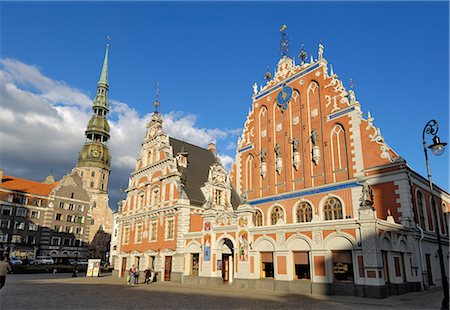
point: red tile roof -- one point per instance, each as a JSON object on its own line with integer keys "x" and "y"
{"x": 26, "y": 186}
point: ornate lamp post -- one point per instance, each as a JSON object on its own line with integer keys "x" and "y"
{"x": 75, "y": 268}
{"x": 437, "y": 148}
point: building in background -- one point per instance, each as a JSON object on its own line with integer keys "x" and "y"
{"x": 62, "y": 218}
{"x": 44, "y": 218}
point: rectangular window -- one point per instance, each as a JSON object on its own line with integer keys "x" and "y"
{"x": 139, "y": 233}
{"x": 79, "y": 231}
{"x": 4, "y": 224}
{"x": 58, "y": 216}
{"x": 34, "y": 214}
{"x": 32, "y": 226}
{"x": 80, "y": 208}
{"x": 56, "y": 241}
{"x": 301, "y": 265}
{"x": 37, "y": 202}
{"x": 4, "y": 238}
{"x": 31, "y": 240}
{"x": 169, "y": 229}
{"x": 6, "y": 211}
{"x": 19, "y": 225}
{"x": 67, "y": 241}
{"x": 153, "y": 231}
{"x": 71, "y": 206}
{"x": 16, "y": 239}
{"x": 57, "y": 228}
{"x": 69, "y": 229}
{"x": 342, "y": 266}
{"x": 22, "y": 212}
{"x": 126, "y": 235}
{"x": 61, "y": 205}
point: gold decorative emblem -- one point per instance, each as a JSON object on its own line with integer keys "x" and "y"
{"x": 95, "y": 153}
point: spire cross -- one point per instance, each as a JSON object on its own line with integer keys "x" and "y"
{"x": 352, "y": 84}
{"x": 108, "y": 40}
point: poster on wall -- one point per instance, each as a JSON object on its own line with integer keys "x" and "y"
{"x": 93, "y": 269}
{"x": 207, "y": 253}
{"x": 207, "y": 248}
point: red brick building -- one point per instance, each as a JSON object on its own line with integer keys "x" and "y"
{"x": 326, "y": 206}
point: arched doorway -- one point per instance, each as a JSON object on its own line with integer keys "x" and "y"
{"x": 227, "y": 260}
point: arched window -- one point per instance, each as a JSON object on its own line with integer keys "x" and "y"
{"x": 92, "y": 183}
{"x": 257, "y": 218}
{"x": 444, "y": 214}
{"x": 332, "y": 209}
{"x": 93, "y": 173}
{"x": 420, "y": 211}
{"x": 304, "y": 212}
{"x": 338, "y": 149}
{"x": 277, "y": 214}
{"x": 248, "y": 172}
{"x": 435, "y": 216}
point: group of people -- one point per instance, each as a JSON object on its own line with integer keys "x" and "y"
{"x": 133, "y": 276}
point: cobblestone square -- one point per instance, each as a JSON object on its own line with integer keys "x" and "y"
{"x": 61, "y": 291}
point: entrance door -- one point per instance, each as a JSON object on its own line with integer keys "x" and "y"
{"x": 167, "y": 268}
{"x": 225, "y": 267}
{"x": 124, "y": 266}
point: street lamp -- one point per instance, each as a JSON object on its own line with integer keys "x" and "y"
{"x": 75, "y": 268}
{"x": 437, "y": 148}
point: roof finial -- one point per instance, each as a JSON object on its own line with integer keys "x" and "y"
{"x": 156, "y": 102}
{"x": 268, "y": 75}
{"x": 352, "y": 84}
{"x": 302, "y": 55}
{"x": 284, "y": 42}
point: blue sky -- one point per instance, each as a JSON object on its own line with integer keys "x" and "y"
{"x": 207, "y": 55}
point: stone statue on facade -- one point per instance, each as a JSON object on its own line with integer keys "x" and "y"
{"x": 255, "y": 88}
{"x": 366, "y": 195}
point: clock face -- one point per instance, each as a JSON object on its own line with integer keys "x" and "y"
{"x": 95, "y": 153}
{"x": 284, "y": 96}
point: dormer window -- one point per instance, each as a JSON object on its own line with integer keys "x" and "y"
{"x": 217, "y": 197}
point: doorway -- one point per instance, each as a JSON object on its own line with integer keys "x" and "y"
{"x": 226, "y": 267}
{"x": 227, "y": 261}
{"x": 167, "y": 268}
{"x": 124, "y": 267}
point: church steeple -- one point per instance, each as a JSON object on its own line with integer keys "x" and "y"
{"x": 104, "y": 74}
{"x": 95, "y": 152}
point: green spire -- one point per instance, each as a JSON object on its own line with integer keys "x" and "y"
{"x": 104, "y": 74}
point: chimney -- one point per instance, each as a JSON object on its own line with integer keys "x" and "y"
{"x": 1, "y": 175}
{"x": 212, "y": 147}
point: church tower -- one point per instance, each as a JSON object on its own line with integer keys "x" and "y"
{"x": 94, "y": 160}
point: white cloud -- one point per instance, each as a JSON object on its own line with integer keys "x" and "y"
{"x": 42, "y": 124}
{"x": 226, "y": 161}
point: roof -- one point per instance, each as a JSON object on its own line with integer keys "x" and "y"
{"x": 196, "y": 173}
{"x": 26, "y": 186}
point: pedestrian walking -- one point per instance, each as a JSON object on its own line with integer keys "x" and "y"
{"x": 152, "y": 275}
{"x": 4, "y": 268}
{"x": 131, "y": 274}
{"x": 147, "y": 274}
{"x": 136, "y": 275}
